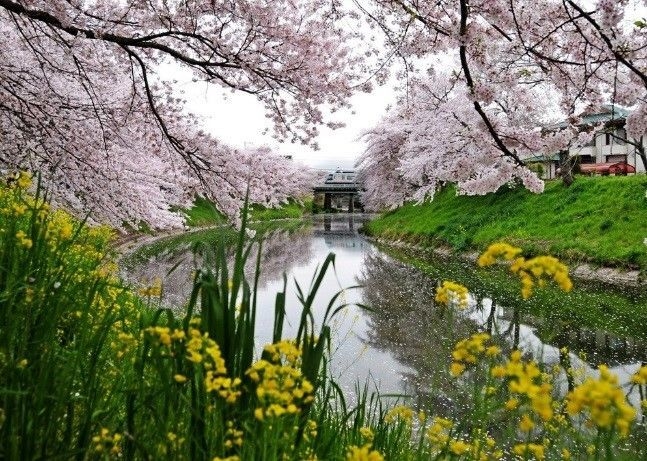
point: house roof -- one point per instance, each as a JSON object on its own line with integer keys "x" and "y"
{"x": 606, "y": 113}
{"x": 602, "y": 114}
{"x": 542, "y": 158}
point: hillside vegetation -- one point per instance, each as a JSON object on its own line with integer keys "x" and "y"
{"x": 204, "y": 213}
{"x": 602, "y": 220}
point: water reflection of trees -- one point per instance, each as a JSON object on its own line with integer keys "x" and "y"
{"x": 595, "y": 346}
{"x": 280, "y": 251}
{"x": 406, "y": 321}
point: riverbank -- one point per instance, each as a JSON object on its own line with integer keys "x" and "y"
{"x": 205, "y": 222}
{"x": 597, "y": 222}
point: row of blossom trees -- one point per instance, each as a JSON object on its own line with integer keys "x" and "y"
{"x": 83, "y": 100}
{"x": 506, "y": 69}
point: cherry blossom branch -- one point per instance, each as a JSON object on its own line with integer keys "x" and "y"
{"x": 464, "y": 12}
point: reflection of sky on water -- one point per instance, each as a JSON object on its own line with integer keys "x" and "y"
{"x": 404, "y": 344}
{"x": 353, "y": 360}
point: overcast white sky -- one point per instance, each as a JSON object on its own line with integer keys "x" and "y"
{"x": 238, "y": 118}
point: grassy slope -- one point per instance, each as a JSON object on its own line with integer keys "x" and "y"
{"x": 203, "y": 213}
{"x": 290, "y": 210}
{"x": 601, "y": 220}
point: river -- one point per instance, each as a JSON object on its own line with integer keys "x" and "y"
{"x": 402, "y": 344}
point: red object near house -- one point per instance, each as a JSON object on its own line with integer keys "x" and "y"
{"x": 619, "y": 168}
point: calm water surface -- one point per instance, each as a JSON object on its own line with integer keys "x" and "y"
{"x": 403, "y": 344}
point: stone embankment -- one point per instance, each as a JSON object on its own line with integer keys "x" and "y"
{"x": 579, "y": 271}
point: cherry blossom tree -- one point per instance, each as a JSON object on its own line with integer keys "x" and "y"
{"x": 516, "y": 66}
{"x": 85, "y": 101}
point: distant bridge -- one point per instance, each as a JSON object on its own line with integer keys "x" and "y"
{"x": 337, "y": 190}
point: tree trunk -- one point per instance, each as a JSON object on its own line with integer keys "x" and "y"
{"x": 565, "y": 168}
{"x": 641, "y": 153}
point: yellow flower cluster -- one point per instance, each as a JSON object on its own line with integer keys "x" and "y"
{"x": 19, "y": 179}
{"x": 452, "y": 293}
{"x": 199, "y": 349}
{"x": 367, "y": 434}
{"x": 107, "y": 442}
{"x": 482, "y": 447}
{"x": 536, "y": 450}
{"x": 280, "y": 386}
{"x": 468, "y": 352}
{"x": 604, "y": 401}
{"x": 23, "y": 240}
{"x": 539, "y": 268}
{"x": 399, "y": 413}
{"x": 202, "y": 349}
{"x": 153, "y": 289}
{"x": 61, "y": 227}
{"x": 233, "y": 437}
{"x": 532, "y": 271}
{"x": 363, "y": 453}
{"x": 172, "y": 445}
{"x": 439, "y": 430}
{"x": 284, "y": 351}
{"x": 125, "y": 343}
{"x": 164, "y": 335}
{"x": 640, "y": 377}
{"x": 497, "y": 251}
{"x": 24, "y": 180}
{"x": 530, "y": 385}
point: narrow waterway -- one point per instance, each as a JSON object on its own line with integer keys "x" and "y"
{"x": 402, "y": 343}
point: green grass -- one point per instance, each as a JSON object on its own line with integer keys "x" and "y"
{"x": 203, "y": 213}
{"x": 290, "y": 210}
{"x": 598, "y": 220}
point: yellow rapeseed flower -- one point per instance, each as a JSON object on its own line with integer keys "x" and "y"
{"x": 23, "y": 239}
{"x": 438, "y": 431}
{"x": 640, "y": 377}
{"x": 468, "y": 352}
{"x": 281, "y": 388}
{"x": 496, "y": 251}
{"x": 531, "y": 272}
{"x": 367, "y": 433}
{"x": 364, "y": 453}
{"x": 24, "y": 180}
{"x": 535, "y": 450}
{"x": 180, "y": 378}
{"x": 399, "y": 413}
{"x": 526, "y": 424}
{"x": 530, "y": 385}
{"x": 459, "y": 447}
{"x": 452, "y": 293}
{"x": 603, "y": 401}
{"x": 107, "y": 442}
